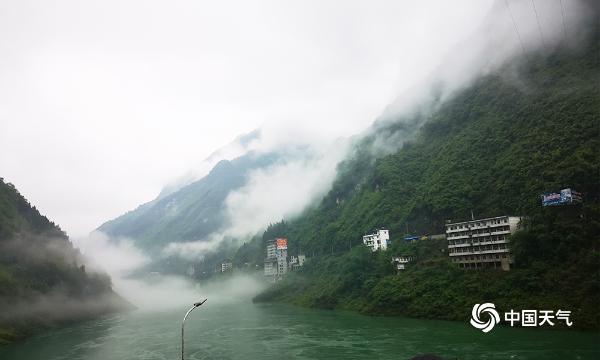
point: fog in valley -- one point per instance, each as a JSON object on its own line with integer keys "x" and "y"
{"x": 124, "y": 114}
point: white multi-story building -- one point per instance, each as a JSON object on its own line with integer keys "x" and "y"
{"x": 378, "y": 240}
{"x": 482, "y": 243}
{"x": 271, "y": 259}
{"x": 226, "y": 266}
{"x": 276, "y": 261}
{"x": 282, "y": 265}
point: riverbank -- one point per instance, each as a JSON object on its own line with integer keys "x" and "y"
{"x": 433, "y": 288}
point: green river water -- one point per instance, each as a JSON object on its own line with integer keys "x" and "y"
{"x": 242, "y": 330}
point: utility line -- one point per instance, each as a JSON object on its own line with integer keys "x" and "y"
{"x": 515, "y": 26}
{"x": 562, "y": 12}
{"x": 538, "y": 22}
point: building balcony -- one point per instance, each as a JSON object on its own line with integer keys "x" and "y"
{"x": 469, "y": 261}
{"x": 451, "y": 246}
{"x": 490, "y": 242}
{"x": 480, "y": 234}
{"x": 454, "y": 230}
{"x": 456, "y": 237}
{"x": 480, "y": 252}
{"x": 479, "y": 227}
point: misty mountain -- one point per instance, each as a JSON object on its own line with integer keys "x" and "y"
{"x": 192, "y": 212}
{"x": 43, "y": 279}
{"x": 493, "y": 149}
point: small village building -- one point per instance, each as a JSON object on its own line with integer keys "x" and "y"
{"x": 297, "y": 262}
{"x": 401, "y": 261}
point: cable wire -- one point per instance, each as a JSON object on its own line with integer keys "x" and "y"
{"x": 515, "y": 26}
{"x": 538, "y": 22}
{"x": 562, "y": 12}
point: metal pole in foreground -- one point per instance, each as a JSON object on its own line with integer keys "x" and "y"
{"x": 183, "y": 323}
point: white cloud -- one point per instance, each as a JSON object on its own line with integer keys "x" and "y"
{"x": 194, "y": 250}
{"x": 102, "y": 104}
{"x": 117, "y": 257}
{"x": 281, "y": 191}
{"x": 120, "y": 258}
{"x": 442, "y": 55}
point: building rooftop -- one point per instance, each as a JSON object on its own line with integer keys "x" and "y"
{"x": 450, "y": 222}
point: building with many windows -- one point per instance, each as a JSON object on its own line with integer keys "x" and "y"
{"x": 379, "y": 240}
{"x": 482, "y": 243}
{"x": 226, "y": 265}
{"x": 276, "y": 264}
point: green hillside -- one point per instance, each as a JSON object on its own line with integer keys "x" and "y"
{"x": 492, "y": 149}
{"x": 192, "y": 212}
{"x": 42, "y": 279}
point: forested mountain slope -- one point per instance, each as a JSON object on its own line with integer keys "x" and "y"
{"x": 42, "y": 277}
{"x": 192, "y": 212}
{"x": 492, "y": 149}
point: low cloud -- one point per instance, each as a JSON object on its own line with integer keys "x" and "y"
{"x": 117, "y": 257}
{"x": 57, "y": 306}
{"x": 154, "y": 291}
{"x": 46, "y": 280}
{"x": 279, "y": 191}
{"x": 282, "y": 190}
{"x": 160, "y": 292}
{"x": 194, "y": 250}
{"x": 504, "y": 39}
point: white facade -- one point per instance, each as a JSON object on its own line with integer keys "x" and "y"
{"x": 226, "y": 266}
{"x": 271, "y": 267}
{"x": 271, "y": 249}
{"x": 296, "y": 262}
{"x": 276, "y": 264}
{"x": 378, "y": 240}
{"x": 401, "y": 261}
{"x": 482, "y": 243}
{"x": 282, "y": 265}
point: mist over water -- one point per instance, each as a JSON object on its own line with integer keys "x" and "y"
{"x": 149, "y": 291}
{"x": 157, "y": 292}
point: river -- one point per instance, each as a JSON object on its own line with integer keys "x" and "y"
{"x": 242, "y": 330}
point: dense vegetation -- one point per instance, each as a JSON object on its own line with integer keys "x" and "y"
{"x": 42, "y": 279}
{"x": 492, "y": 149}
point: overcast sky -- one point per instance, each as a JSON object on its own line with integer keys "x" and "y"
{"x": 102, "y": 103}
